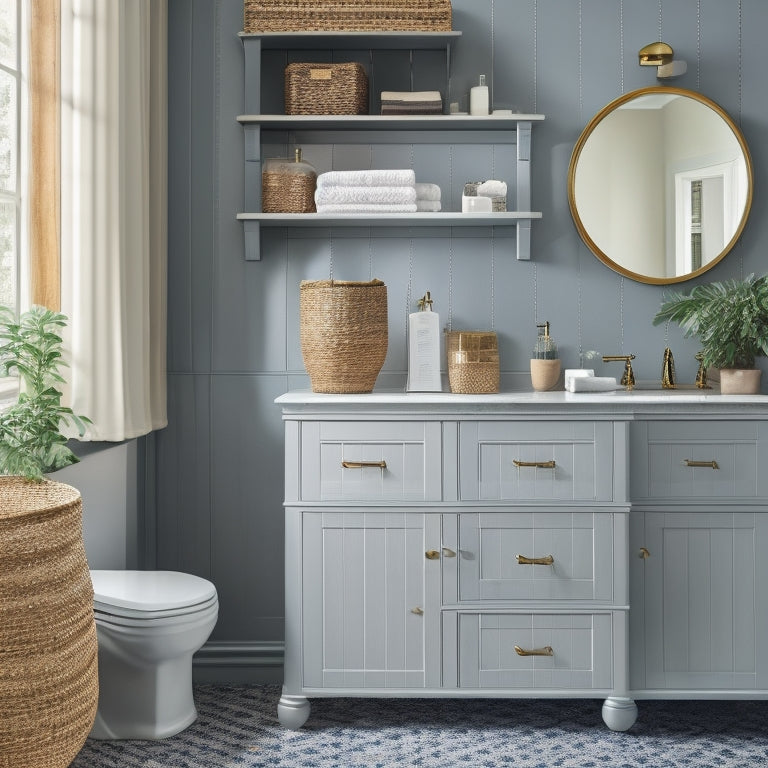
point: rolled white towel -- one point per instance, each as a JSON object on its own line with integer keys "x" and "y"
{"x": 492, "y": 188}
{"x": 411, "y": 96}
{"x": 425, "y": 191}
{"x": 370, "y": 178}
{"x": 427, "y": 205}
{"x": 332, "y": 195}
{"x": 367, "y": 208}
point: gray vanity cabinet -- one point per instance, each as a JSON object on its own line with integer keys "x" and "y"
{"x": 699, "y": 618}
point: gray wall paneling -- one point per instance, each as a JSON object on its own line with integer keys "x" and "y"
{"x": 233, "y": 326}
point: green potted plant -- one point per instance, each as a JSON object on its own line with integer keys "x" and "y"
{"x": 730, "y": 319}
{"x": 49, "y": 673}
{"x": 31, "y": 441}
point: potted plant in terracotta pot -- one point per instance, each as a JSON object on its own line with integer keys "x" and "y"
{"x": 49, "y": 674}
{"x": 730, "y": 319}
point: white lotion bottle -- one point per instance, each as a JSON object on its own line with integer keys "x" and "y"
{"x": 424, "y": 348}
{"x": 478, "y": 98}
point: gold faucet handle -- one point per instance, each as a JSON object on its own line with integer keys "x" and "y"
{"x": 628, "y": 377}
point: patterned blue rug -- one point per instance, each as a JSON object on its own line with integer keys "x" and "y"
{"x": 238, "y": 727}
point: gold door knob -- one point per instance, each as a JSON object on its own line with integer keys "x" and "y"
{"x": 644, "y": 553}
{"x": 448, "y": 552}
{"x": 432, "y": 554}
{"x": 417, "y": 611}
{"x": 545, "y": 651}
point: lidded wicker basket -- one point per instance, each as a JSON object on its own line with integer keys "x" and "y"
{"x": 49, "y": 687}
{"x": 288, "y": 186}
{"x": 473, "y": 362}
{"x": 344, "y": 333}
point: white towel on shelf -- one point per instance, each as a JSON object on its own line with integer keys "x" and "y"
{"x": 370, "y": 178}
{"x": 411, "y": 96}
{"x": 426, "y": 191}
{"x": 333, "y": 194}
{"x": 492, "y": 188}
{"x": 427, "y": 205}
{"x": 367, "y": 208}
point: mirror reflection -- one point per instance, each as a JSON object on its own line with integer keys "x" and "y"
{"x": 660, "y": 184}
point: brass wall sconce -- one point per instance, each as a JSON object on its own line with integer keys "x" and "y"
{"x": 661, "y": 56}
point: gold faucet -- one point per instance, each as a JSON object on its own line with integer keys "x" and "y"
{"x": 628, "y": 377}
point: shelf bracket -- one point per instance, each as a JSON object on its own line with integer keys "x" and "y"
{"x": 524, "y": 240}
{"x": 252, "y": 231}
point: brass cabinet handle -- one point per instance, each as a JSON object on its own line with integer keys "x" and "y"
{"x": 448, "y": 552}
{"x": 523, "y": 560}
{"x": 360, "y": 464}
{"x": 538, "y": 464}
{"x": 432, "y": 554}
{"x": 545, "y": 651}
{"x": 644, "y": 553}
{"x": 710, "y": 464}
{"x": 417, "y": 611}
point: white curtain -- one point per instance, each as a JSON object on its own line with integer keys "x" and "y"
{"x": 114, "y": 211}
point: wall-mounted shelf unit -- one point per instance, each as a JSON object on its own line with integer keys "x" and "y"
{"x": 374, "y": 129}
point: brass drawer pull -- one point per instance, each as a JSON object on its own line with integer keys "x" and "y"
{"x": 538, "y": 464}
{"x": 545, "y": 651}
{"x": 710, "y": 464}
{"x": 644, "y": 553}
{"x": 523, "y": 560}
{"x": 417, "y": 611}
{"x": 432, "y": 554}
{"x": 448, "y": 552}
{"x": 360, "y": 464}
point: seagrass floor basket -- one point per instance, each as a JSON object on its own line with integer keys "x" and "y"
{"x": 344, "y": 333}
{"x": 347, "y": 15}
{"x": 49, "y": 687}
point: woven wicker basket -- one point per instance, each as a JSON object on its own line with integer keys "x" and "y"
{"x": 473, "y": 361}
{"x": 326, "y": 89}
{"x": 347, "y": 15}
{"x": 288, "y": 186}
{"x": 343, "y": 327}
{"x": 49, "y": 686}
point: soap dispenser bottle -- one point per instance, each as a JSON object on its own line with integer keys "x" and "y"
{"x": 478, "y": 98}
{"x": 545, "y": 362}
{"x": 424, "y": 348}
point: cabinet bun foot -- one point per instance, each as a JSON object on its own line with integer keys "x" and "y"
{"x": 292, "y": 711}
{"x": 619, "y": 713}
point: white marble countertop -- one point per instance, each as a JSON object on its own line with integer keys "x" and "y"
{"x": 687, "y": 400}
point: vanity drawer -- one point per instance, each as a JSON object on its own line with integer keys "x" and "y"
{"x": 530, "y": 555}
{"x": 371, "y": 461}
{"x": 565, "y": 651}
{"x": 560, "y": 461}
{"x": 699, "y": 460}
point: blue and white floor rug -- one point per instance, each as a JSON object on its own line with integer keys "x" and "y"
{"x": 237, "y": 728}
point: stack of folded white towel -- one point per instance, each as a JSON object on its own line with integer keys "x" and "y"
{"x": 427, "y": 197}
{"x": 411, "y": 103}
{"x": 374, "y": 191}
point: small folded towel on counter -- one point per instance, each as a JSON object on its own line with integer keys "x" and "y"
{"x": 367, "y": 208}
{"x": 427, "y": 205}
{"x": 342, "y": 194}
{"x": 426, "y": 191}
{"x": 411, "y": 103}
{"x": 370, "y": 178}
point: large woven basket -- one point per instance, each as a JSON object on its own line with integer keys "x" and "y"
{"x": 343, "y": 328}
{"x": 49, "y": 687}
{"x": 347, "y": 15}
{"x": 326, "y": 89}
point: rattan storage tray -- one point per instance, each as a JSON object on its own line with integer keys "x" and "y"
{"x": 347, "y": 15}
{"x": 326, "y": 89}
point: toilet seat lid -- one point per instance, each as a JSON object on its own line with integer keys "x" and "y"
{"x": 147, "y": 591}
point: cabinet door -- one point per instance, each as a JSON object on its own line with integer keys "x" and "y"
{"x": 370, "y": 599}
{"x": 698, "y": 604}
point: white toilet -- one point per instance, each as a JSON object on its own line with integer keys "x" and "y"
{"x": 148, "y": 624}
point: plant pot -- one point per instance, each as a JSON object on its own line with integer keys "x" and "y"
{"x": 545, "y": 374}
{"x": 737, "y": 381}
{"x": 49, "y": 687}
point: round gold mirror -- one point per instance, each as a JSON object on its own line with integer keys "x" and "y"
{"x": 660, "y": 184}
